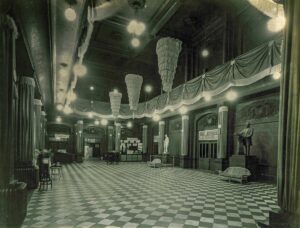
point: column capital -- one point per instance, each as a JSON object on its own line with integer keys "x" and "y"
{"x": 185, "y": 117}
{"x": 118, "y": 124}
{"x": 145, "y": 126}
{"x": 80, "y": 122}
{"x": 43, "y": 113}
{"x": 37, "y": 102}
{"x": 110, "y": 127}
{"x": 161, "y": 122}
{"x": 28, "y": 81}
{"x": 223, "y": 109}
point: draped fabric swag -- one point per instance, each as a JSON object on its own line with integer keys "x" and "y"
{"x": 242, "y": 71}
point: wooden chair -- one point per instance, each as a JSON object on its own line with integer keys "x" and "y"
{"x": 45, "y": 177}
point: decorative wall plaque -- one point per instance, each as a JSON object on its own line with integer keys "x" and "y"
{"x": 208, "y": 135}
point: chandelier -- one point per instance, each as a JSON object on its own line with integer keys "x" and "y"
{"x": 134, "y": 84}
{"x": 115, "y": 102}
{"x": 167, "y": 50}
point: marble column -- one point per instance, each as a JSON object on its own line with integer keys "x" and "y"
{"x": 161, "y": 135}
{"x": 25, "y": 144}
{"x": 8, "y": 93}
{"x": 79, "y": 140}
{"x": 43, "y": 130}
{"x": 13, "y": 195}
{"x": 117, "y": 137}
{"x": 145, "y": 138}
{"x": 184, "y": 135}
{"x": 288, "y": 165}
{"x": 37, "y": 123}
{"x": 110, "y": 138}
{"x": 223, "y": 126}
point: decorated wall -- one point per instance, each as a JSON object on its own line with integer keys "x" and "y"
{"x": 262, "y": 114}
{"x": 174, "y": 133}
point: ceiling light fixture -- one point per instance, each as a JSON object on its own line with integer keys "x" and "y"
{"x": 129, "y": 124}
{"x": 70, "y": 14}
{"x": 277, "y": 75}
{"x": 97, "y": 122}
{"x": 148, "y": 88}
{"x": 205, "y": 53}
{"x": 135, "y": 27}
{"x": 79, "y": 69}
{"x": 183, "y": 110}
{"x": 58, "y": 119}
{"x": 135, "y": 42}
{"x": 276, "y": 24}
{"x": 104, "y": 122}
{"x": 156, "y": 117}
{"x": 92, "y": 88}
{"x": 207, "y": 96}
{"x": 59, "y": 107}
{"x": 90, "y": 114}
{"x": 67, "y": 110}
{"x": 231, "y": 95}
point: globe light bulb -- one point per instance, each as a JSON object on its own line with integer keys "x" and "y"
{"x": 135, "y": 27}
{"x": 231, "y": 95}
{"x": 92, "y": 88}
{"x": 67, "y": 110}
{"x": 129, "y": 124}
{"x": 277, "y": 75}
{"x": 140, "y": 28}
{"x": 90, "y": 115}
{"x": 59, "y": 107}
{"x": 156, "y": 117}
{"x": 205, "y": 53}
{"x": 183, "y": 110}
{"x": 58, "y": 119}
{"x": 104, "y": 122}
{"x": 148, "y": 88}
{"x": 70, "y": 14}
{"x": 135, "y": 42}
{"x": 97, "y": 122}
{"x": 79, "y": 69}
{"x": 276, "y": 24}
{"x": 207, "y": 96}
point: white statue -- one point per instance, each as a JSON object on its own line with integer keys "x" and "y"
{"x": 166, "y": 144}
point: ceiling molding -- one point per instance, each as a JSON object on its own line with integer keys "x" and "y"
{"x": 162, "y": 16}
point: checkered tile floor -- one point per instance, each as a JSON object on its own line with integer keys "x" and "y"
{"x": 130, "y": 195}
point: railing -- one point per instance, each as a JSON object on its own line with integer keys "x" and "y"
{"x": 207, "y": 149}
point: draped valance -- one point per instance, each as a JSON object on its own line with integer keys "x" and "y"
{"x": 244, "y": 70}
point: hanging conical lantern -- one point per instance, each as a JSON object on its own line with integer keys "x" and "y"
{"x": 167, "y": 50}
{"x": 134, "y": 84}
{"x": 115, "y": 102}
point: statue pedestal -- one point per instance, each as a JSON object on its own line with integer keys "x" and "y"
{"x": 281, "y": 219}
{"x": 185, "y": 162}
{"x": 249, "y": 162}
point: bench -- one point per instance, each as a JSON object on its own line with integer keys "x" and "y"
{"x": 239, "y": 174}
{"x": 155, "y": 163}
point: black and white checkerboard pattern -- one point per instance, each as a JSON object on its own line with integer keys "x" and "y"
{"x": 130, "y": 195}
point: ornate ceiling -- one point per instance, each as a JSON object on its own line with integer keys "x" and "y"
{"x": 52, "y": 41}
